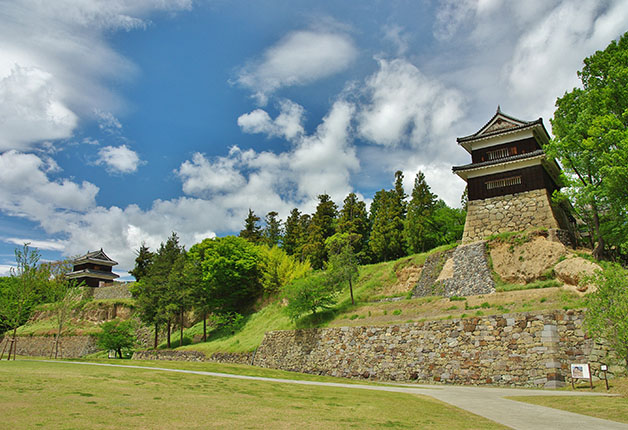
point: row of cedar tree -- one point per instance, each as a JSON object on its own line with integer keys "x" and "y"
{"x": 308, "y": 258}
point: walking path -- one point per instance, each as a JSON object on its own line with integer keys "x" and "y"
{"x": 487, "y": 402}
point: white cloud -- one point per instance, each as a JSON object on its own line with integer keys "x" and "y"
{"x": 48, "y": 245}
{"x": 31, "y": 109}
{"x": 288, "y": 123}
{"x": 298, "y": 59}
{"x": 5, "y": 269}
{"x": 56, "y": 60}
{"x": 202, "y": 178}
{"x": 26, "y": 190}
{"x": 404, "y": 105}
{"x": 545, "y": 59}
{"x": 118, "y": 159}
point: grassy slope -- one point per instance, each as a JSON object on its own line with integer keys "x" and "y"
{"x": 62, "y": 396}
{"x": 373, "y": 285}
{"x": 374, "y": 280}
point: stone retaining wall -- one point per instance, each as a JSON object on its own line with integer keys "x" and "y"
{"x": 70, "y": 346}
{"x": 529, "y": 349}
{"x": 115, "y": 291}
{"x": 171, "y": 355}
{"x": 512, "y": 212}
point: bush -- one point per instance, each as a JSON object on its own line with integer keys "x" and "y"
{"x": 117, "y": 335}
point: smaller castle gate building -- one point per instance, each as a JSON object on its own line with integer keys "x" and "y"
{"x": 510, "y": 180}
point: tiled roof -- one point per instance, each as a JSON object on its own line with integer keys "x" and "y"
{"x": 501, "y": 131}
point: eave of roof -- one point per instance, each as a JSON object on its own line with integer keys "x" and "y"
{"x": 505, "y": 160}
{"x": 89, "y": 273}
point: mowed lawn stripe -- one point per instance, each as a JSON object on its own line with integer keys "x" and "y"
{"x": 67, "y": 396}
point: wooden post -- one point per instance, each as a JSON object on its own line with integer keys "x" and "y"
{"x": 590, "y": 376}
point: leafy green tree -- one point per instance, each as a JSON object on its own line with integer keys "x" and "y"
{"x": 309, "y": 294}
{"x": 65, "y": 295}
{"x": 20, "y": 294}
{"x": 353, "y": 219}
{"x": 272, "y": 232}
{"x": 607, "y": 309}
{"x": 343, "y": 264}
{"x": 152, "y": 296}
{"x": 251, "y": 231}
{"x": 420, "y": 209}
{"x": 143, "y": 261}
{"x": 231, "y": 272}
{"x": 116, "y": 335}
{"x": 279, "y": 269}
{"x": 590, "y": 126}
{"x": 179, "y": 290}
{"x": 447, "y": 224}
{"x": 386, "y": 240}
{"x": 322, "y": 226}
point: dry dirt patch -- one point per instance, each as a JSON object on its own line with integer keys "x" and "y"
{"x": 525, "y": 262}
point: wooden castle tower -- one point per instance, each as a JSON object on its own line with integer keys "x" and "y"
{"x": 510, "y": 180}
{"x": 94, "y": 269}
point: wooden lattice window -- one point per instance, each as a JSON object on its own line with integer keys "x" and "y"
{"x": 501, "y": 153}
{"x": 501, "y": 183}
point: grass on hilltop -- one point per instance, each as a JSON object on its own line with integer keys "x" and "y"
{"x": 62, "y": 396}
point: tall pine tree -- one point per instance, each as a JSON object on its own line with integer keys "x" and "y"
{"x": 418, "y": 221}
{"x": 353, "y": 219}
{"x": 251, "y": 231}
{"x": 322, "y": 226}
{"x": 272, "y": 231}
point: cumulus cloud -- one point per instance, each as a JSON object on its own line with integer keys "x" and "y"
{"x": 546, "y": 58}
{"x": 26, "y": 190}
{"x": 118, "y": 159}
{"x": 404, "y": 105}
{"x": 288, "y": 123}
{"x": 55, "y": 62}
{"x": 299, "y": 58}
{"x": 31, "y": 109}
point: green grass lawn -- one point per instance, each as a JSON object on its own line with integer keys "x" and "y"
{"x": 69, "y": 396}
{"x": 609, "y": 408}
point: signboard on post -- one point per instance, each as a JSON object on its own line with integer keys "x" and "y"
{"x": 581, "y": 371}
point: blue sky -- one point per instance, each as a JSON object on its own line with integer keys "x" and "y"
{"x": 121, "y": 122}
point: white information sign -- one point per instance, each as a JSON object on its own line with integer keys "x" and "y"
{"x": 580, "y": 371}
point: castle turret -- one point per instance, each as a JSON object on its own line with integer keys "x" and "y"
{"x": 510, "y": 179}
{"x": 93, "y": 269}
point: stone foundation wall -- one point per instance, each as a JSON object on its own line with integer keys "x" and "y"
{"x": 512, "y": 212}
{"x": 171, "y": 355}
{"x": 530, "y": 349}
{"x": 115, "y": 291}
{"x": 70, "y": 346}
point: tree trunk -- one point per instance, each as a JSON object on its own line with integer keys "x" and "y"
{"x": 599, "y": 248}
{"x": 120, "y": 353}
{"x": 181, "y": 328}
{"x": 156, "y": 335}
{"x": 205, "y": 327}
{"x": 351, "y": 291}
{"x": 13, "y": 345}
{"x": 169, "y": 327}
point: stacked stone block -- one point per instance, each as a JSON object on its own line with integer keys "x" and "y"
{"x": 529, "y": 350}
{"x": 512, "y": 212}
